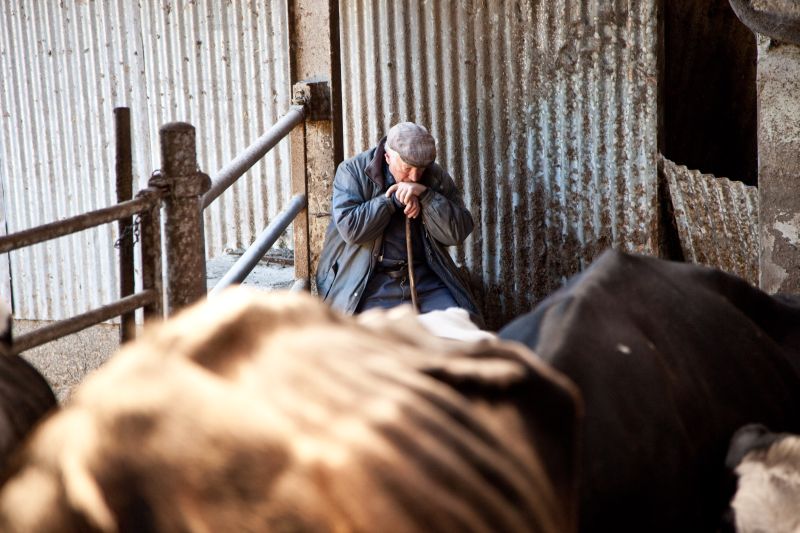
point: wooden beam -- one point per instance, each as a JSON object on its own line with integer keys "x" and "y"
{"x": 314, "y": 61}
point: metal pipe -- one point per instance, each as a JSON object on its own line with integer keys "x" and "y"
{"x": 250, "y": 258}
{"x": 77, "y": 323}
{"x": 248, "y": 157}
{"x": 124, "y": 172}
{"x": 75, "y": 224}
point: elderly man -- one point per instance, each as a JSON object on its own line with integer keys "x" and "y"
{"x": 364, "y": 259}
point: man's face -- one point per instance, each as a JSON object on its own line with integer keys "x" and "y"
{"x": 401, "y": 170}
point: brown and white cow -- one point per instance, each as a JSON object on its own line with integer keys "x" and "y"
{"x": 271, "y": 412}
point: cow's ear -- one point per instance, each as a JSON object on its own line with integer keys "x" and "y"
{"x": 501, "y": 374}
{"x": 81, "y": 489}
{"x": 84, "y": 495}
{"x": 747, "y": 439}
{"x": 486, "y": 373}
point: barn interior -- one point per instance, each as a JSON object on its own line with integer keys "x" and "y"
{"x": 154, "y": 153}
{"x": 571, "y": 127}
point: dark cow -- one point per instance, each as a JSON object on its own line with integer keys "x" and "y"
{"x": 671, "y": 359}
{"x": 272, "y": 412}
{"x": 25, "y": 396}
{"x": 767, "y": 466}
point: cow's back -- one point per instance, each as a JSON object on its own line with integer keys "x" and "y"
{"x": 671, "y": 359}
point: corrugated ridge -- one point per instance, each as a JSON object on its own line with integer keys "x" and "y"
{"x": 545, "y": 116}
{"x": 221, "y": 66}
{"x": 716, "y": 218}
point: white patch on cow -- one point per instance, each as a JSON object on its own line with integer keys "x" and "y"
{"x": 311, "y": 450}
{"x": 768, "y": 494}
{"x": 453, "y": 323}
{"x": 623, "y": 348}
{"x": 348, "y": 432}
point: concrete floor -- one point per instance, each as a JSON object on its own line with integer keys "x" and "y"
{"x": 66, "y": 362}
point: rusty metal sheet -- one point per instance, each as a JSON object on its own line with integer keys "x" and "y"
{"x": 219, "y": 65}
{"x": 545, "y": 114}
{"x": 716, "y": 218}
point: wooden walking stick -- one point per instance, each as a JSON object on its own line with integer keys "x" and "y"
{"x": 410, "y": 253}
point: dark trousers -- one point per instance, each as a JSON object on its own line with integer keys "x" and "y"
{"x": 385, "y": 291}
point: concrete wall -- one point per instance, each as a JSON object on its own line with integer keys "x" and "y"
{"x": 779, "y": 164}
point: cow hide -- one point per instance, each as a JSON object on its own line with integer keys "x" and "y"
{"x": 271, "y": 412}
{"x": 671, "y": 359}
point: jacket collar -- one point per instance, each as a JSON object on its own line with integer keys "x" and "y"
{"x": 374, "y": 169}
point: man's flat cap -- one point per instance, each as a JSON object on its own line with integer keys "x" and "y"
{"x": 415, "y": 145}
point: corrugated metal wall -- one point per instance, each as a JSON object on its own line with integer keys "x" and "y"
{"x": 546, "y": 116}
{"x": 716, "y": 219}
{"x": 219, "y": 65}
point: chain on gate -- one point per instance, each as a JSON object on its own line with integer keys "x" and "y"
{"x": 130, "y": 230}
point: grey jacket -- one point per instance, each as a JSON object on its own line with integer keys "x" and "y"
{"x": 361, "y": 213}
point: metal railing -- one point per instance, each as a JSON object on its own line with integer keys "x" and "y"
{"x": 234, "y": 170}
{"x": 248, "y": 157}
{"x": 147, "y": 206}
{"x": 250, "y": 258}
{"x": 184, "y": 192}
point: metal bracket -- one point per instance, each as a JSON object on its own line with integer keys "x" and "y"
{"x": 181, "y": 186}
{"x": 315, "y": 96}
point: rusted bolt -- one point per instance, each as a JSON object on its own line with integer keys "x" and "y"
{"x": 300, "y": 98}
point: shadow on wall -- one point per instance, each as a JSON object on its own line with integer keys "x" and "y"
{"x": 541, "y": 263}
{"x": 709, "y": 90}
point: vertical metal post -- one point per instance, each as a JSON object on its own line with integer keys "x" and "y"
{"x": 124, "y": 172}
{"x": 152, "y": 265}
{"x": 183, "y": 215}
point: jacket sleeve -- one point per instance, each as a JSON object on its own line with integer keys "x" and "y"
{"x": 444, "y": 213}
{"x": 359, "y": 218}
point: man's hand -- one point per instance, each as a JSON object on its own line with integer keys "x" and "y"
{"x": 412, "y": 207}
{"x": 407, "y": 193}
{"x": 404, "y": 190}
